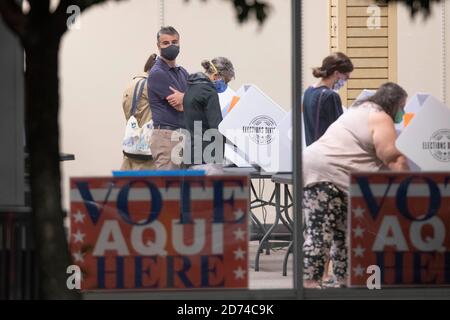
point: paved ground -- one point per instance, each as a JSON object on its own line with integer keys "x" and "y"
{"x": 270, "y": 274}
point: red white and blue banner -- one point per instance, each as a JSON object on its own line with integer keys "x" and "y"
{"x": 160, "y": 232}
{"x": 400, "y": 223}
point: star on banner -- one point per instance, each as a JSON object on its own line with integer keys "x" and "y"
{"x": 79, "y": 217}
{"x": 78, "y": 256}
{"x": 239, "y": 234}
{"x": 238, "y": 214}
{"x": 239, "y": 254}
{"x": 239, "y": 273}
{"x": 358, "y": 212}
{"x": 79, "y": 237}
{"x": 359, "y": 271}
{"x": 358, "y": 232}
{"x": 359, "y": 251}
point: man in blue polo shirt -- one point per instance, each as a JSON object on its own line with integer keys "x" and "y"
{"x": 166, "y": 84}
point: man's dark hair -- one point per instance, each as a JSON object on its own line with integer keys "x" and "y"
{"x": 167, "y": 30}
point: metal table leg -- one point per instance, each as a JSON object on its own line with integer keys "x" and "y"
{"x": 286, "y": 258}
{"x": 269, "y": 232}
{"x": 287, "y": 205}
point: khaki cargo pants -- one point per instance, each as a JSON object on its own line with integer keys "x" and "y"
{"x": 136, "y": 164}
{"x": 167, "y": 149}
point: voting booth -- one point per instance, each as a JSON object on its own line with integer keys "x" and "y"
{"x": 286, "y": 140}
{"x": 253, "y": 126}
{"x": 235, "y": 156}
{"x": 413, "y": 106}
{"x": 423, "y": 132}
{"x": 426, "y": 138}
{"x": 225, "y": 99}
{"x": 232, "y": 154}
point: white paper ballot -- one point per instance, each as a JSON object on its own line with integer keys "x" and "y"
{"x": 252, "y": 127}
{"x": 426, "y": 140}
{"x": 365, "y": 93}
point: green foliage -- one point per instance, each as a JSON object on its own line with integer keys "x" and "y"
{"x": 246, "y": 10}
{"x": 416, "y": 6}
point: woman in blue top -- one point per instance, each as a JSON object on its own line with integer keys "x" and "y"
{"x": 321, "y": 104}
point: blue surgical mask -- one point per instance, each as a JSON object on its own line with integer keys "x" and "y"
{"x": 399, "y": 116}
{"x": 220, "y": 85}
{"x": 339, "y": 84}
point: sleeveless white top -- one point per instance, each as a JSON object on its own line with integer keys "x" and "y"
{"x": 346, "y": 146}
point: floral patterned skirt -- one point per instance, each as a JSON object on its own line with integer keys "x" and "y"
{"x": 324, "y": 230}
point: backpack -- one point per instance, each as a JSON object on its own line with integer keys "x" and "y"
{"x": 136, "y": 142}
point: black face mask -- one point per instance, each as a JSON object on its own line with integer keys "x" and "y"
{"x": 171, "y": 52}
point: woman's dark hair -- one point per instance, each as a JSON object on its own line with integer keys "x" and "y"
{"x": 388, "y": 96}
{"x": 334, "y": 62}
{"x": 150, "y": 62}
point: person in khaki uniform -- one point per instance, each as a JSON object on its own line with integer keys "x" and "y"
{"x": 143, "y": 115}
